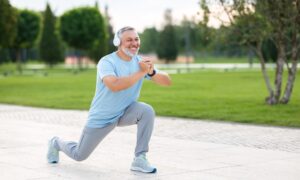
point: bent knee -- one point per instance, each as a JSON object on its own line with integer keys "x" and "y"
{"x": 80, "y": 157}
{"x": 148, "y": 110}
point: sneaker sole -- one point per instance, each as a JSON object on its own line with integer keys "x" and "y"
{"x": 142, "y": 170}
{"x": 52, "y": 162}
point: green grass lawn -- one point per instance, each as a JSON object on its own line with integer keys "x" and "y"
{"x": 227, "y": 96}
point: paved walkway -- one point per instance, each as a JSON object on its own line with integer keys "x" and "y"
{"x": 181, "y": 149}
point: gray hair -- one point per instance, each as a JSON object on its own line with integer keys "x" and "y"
{"x": 124, "y": 29}
{"x": 118, "y": 35}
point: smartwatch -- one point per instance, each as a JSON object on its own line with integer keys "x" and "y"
{"x": 153, "y": 73}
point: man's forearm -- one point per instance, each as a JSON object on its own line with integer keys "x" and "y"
{"x": 162, "y": 79}
{"x": 122, "y": 83}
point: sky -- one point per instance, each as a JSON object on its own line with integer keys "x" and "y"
{"x": 137, "y": 13}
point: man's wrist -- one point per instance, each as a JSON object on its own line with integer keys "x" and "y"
{"x": 142, "y": 73}
{"x": 153, "y": 73}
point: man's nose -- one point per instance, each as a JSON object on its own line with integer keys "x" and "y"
{"x": 135, "y": 43}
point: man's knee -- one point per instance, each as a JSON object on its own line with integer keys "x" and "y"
{"x": 148, "y": 111}
{"x": 79, "y": 157}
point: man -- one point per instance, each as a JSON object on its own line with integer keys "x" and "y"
{"x": 119, "y": 80}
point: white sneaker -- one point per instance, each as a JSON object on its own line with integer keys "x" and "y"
{"x": 53, "y": 154}
{"x": 141, "y": 164}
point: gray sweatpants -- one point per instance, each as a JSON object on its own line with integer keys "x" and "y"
{"x": 137, "y": 113}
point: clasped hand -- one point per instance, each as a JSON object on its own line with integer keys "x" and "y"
{"x": 146, "y": 65}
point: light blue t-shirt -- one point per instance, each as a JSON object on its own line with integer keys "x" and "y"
{"x": 108, "y": 106}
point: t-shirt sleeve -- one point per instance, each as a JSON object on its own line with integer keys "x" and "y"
{"x": 105, "y": 68}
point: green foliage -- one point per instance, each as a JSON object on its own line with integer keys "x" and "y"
{"x": 110, "y": 38}
{"x": 202, "y": 36}
{"x": 4, "y": 56}
{"x": 98, "y": 49}
{"x": 194, "y": 37}
{"x": 197, "y": 39}
{"x": 167, "y": 45}
{"x": 81, "y": 27}
{"x": 50, "y": 46}
{"x": 250, "y": 29}
{"x": 206, "y": 13}
{"x": 103, "y": 45}
{"x": 8, "y": 22}
{"x": 149, "y": 40}
{"x": 269, "y": 50}
{"x": 28, "y": 29}
{"x": 284, "y": 18}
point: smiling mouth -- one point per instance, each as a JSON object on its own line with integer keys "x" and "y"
{"x": 134, "y": 48}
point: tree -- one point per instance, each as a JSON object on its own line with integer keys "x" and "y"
{"x": 111, "y": 47}
{"x": 149, "y": 40}
{"x": 256, "y": 22}
{"x": 167, "y": 46}
{"x": 8, "y": 22}
{"x": 284, "y": 18}
{"x": 28, "y": 28}
{"x": 50, "y": 46}
{"x": 80, "y": 28}
{"x": 104, "y": 44}
{"x": 98, "y": 50}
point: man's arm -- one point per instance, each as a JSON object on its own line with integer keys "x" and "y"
{"x": 162, "y": 78}
{"x": 120, "y": 83}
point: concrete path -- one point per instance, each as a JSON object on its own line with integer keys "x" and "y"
{"x": 181, "y": 149}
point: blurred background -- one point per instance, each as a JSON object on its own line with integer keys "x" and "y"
{"x": 178, "y": 24}
{"x": 229, "y": 59}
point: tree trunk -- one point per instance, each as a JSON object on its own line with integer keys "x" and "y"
{"x": 270, "y": 99}
{"x": 290, "y": 84}
{"x": 294, "y": 58}
{"x": 291, "y": 76}
{"x": 279, "y": 70}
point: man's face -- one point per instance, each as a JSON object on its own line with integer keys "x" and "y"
{"x": 130, "y": 42}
